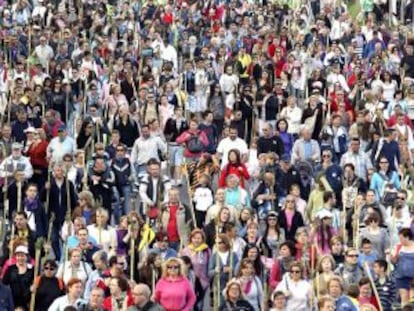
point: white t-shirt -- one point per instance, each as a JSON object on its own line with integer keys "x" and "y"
{"x": 227, "y": 144}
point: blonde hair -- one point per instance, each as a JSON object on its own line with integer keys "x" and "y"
{"x": 182, "y": 271}
{"x": 321, "y": 259}
{"x": 88, "y": 196}
{"x": 230, "y": 284}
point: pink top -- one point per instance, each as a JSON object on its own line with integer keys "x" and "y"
{"x": 175, "y": 295}
{"x": 289, "y": 217}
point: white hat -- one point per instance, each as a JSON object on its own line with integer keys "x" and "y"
{"x": 30, "y": 129}
{"x": 324, "y": 214}
{"x": 21, "y": 249}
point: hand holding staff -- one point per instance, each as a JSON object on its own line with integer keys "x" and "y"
{"x": 39, "y": 244}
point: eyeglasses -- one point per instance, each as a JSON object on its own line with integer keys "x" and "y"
{"x": 173, "y": 267}
{"x": 325, "y": 156}
{"x": 383, "y": 162}
{"x": 353, "y": 255}
{"x": 401, "y": 198}
{"x": 120, "y": 150}
{"x": 290, "y": 201}
{"x": 295, "y": 271}
{"x": 49, "y": 268}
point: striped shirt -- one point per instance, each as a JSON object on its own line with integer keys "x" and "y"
{"x": 386, "y": 292}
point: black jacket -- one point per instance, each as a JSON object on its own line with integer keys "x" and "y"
{"x": 272, "y": 144}
{"x": 297, "y": 222}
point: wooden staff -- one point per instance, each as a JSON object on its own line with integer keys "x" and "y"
{"x": 39, "y": 244}
{"x": 19, "y": 196}
{"x": 132, "y": 257}
{"x": 189, "y": 194}
{"x": 49, "y": 172}
{"x": 374, "y": 288}
{"x": 49, "y": 233}
{"x": 218, "y": 285}
{"x": 344, "y": 223}
{"x": 265, "y": 290}
{"x": 85, "y": 174}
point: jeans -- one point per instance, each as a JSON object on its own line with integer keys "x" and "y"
{"x": 122, "y": 208}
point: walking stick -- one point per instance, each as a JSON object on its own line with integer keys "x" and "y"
{"x": 189, "y": 194}
{"x": 132, "y": 257}
{"x": 19, "y": 196}
{"x": 371, "y": 280}
{"x": 49, "y": 172}
{"x": 49, "y": 233}
{"x": 38, "y": 246}
{"x": 217, "y": 272}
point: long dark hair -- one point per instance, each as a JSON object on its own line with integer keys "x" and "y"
{"x": 257, "y": 263}
{"x": 322, "y": 230}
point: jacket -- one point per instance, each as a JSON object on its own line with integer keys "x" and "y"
{"x": 122, "y": 171}
{"x": 183, "y": 218}
{"x": 6, "y": 298}
{"x": 149, "y": 306}
{"x": 297, "y": 221}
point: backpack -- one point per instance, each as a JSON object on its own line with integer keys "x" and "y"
{"x": 194, "y": 144}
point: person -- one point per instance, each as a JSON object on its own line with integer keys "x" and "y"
{"x": 270, "y": 142}
{"x": 326, "y": 304}
{"x": 234, "y": 298}
{"x": 6, "y": 297}
{"x": 95, "y": 302}
{"x": 19, "y": 277}
{"x": 74, "y": 267}
{"x": 72, "y": 298}
{"x": 356, "y": 156}
{"x": 174, "y": 290}
{"x": 48, "y": 287}
{"x": 305, "y": 149}
{"x": 350, "y": 270}
{"x": 194, "y": 140}
{"x": 337, "y": 292}
{"x": 141, "y": 294}
{"x": 60, "y": 145}
{"x": 251, "y": 284}
{"x": 234, "y": 166}
{"x": 97, "y": 276}
{"x": 281, "y": 265}
{"x": 325, "y": 268}
{"x": 294, "y": 286}
{"x": 35, "y": 212}
{"x": 119, "y": 294}
{"x": 366, "y": 295}
{"x": 403, "y": 256}
{"x": 384, "y": 284}
{"x": 279, "y": 301}
{"x": 229, "y": 143}
{"x": 37, "y": 154}
{"x": 146, "y": 147}
{"x": 377, "y": 236}
{"x": 290, "y": 219}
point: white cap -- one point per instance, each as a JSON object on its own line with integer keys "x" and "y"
{"x": 30, "y": 129}
{"x": 324, "y": 214}
{"x": 21, "y": 249}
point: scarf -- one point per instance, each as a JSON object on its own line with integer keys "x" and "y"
{"x": 247, "y": 284}
{"x": 198, "y": 249}
{"x": 31, "y": 204}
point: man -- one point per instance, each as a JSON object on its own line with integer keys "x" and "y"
{"x": 60, "y": 202}
{"x": 153, "y": 188}
{"x": 229, "y": 143}
{"x": 44, "y": 52}
{"x": 350, "y": 272}
{"x": 388, "y": 148}
{"x": 60, "y": 145}
{"x": 96, "y": 278}
{"x": 5, "y": 141}
{"x": 329, "y": 203}
{"x": 210, "y": 130}
{"x": 95, "y": 300}
{"x": 174, "y": 220}
{"x": 23, "y": 231}
{"x": 88, "y": 248}
{"x": 20, "y": 125}
{"x": 384, "y": 284}
{"x": 359, "y": 159}
{"x": 269, "y": 142}
{"x": 146, "y": 147}
{"x": 286, "y": 176}
{"x": 306, "y": 149}
{"x": 269, "y": 106}
{"x": 53, "y": 123}
{"x": 141, "y": 294}
{"x": 16, "y": 162}
{"x": 110, "y": 149}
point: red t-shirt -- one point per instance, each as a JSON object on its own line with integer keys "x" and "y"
{"x": 172, "y": 231}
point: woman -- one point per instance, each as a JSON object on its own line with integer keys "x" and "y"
{"x": 403, "y": 258}
{"x": 210, "y": 230}
{"x": 234, "y": 166}
{"x": 326, "y": 304}
{"x": 20, "y": 277}
{"x": 101, "y": 231}
{"x": 36, "y": 216}
{"x": 296, "y": 288}
{"x": 48, "y": 286}
{"x": 290, "y": 219}
{"x": 243, "y": 220}
{"x": 252, "y": 234}
{"x": 384, "y": 178}
{"x": 250, "y": 283}
{"x": 74, "y": 267}
{"x": 366, "y": 295}
{"x": 337, "y": 249}
{"x": 150, "y": 272}
{"x": 379, "y": 236}
{"x": 86, "y": 207}
{"x": 272, "y": 237}
{"x": 282, "y": 264}
{"x": 336, "y": 291}
{"x": 287, "y": 137}
{"x": 292, "y": 116}
{"x": 81, "y": 180}
{"x": 195, "y": 282}
{"x": 252, "y": 252}
{"x": 322, "y": 234}
{"x": 199, "y": 253}
{"x": 72, "y": 298}
{"x": 37, "y": 155}
{"x": 119, "y": 292}
{"x": 86, "y": 136}
{"x": 121, "y": 233}
{"x": 279, "y": 301}
{"x": 389, "y": 86}
{"x": 223, "y": 263}
{"x": 173, "y": 291}
{"x": 325, "y": 268}
{"x": 233, "y": 298}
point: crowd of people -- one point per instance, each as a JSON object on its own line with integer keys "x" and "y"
{"x": 206, "y": 155}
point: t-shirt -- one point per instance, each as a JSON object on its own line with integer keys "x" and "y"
{"x": 172, "y": 224}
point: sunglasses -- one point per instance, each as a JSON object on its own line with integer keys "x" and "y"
{"x": 382, "y": 162}
{"x": 353, "y": 255}
{"x": 290, "y": 201}
{"x": 295, "y": 271}
{"x": 173, "y": 267}
{"x": 120, "y": 150}
{"x": 325, "y": 156}
{"x": 49, "y": 268}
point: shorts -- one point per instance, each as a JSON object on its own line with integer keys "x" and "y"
{"x": 176, "y": 155}
{"x": 403, "y": 283}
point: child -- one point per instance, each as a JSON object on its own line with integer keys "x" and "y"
{"x": 367, "y": 254}
{"x": 203, "y": 199}
{"x": 384, "y": 284}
